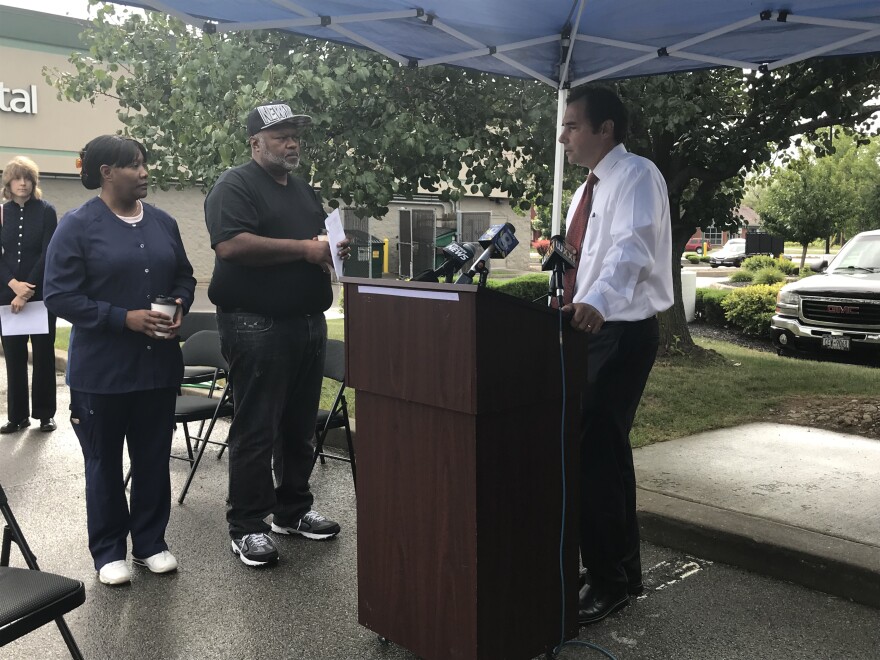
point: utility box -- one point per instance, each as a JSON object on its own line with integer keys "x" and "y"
{"x": 367, "y": 255}
{"x": 759, "y": 243}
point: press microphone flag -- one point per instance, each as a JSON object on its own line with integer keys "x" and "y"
{"x": 457, "y": 255}
{"x": 499, "y": 241}
{"x": 560, "y": 254}
{"x": 501, "y": 238}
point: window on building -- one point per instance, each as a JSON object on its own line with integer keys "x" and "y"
{"x": 713, "y": 236}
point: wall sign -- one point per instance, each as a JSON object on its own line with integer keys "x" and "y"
{"x": 22, "y": 101}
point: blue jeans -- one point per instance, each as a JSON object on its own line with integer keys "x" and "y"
{"x": 276, "y": 366}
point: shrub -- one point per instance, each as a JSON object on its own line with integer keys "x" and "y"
{"x": 751, "y": 308}
{"x": 528, "y": 287}
{"x": 742, "y": 275}
{"x": 704, "y": 259}
{"x": 692, "y": 258}
{"x": 541, "y": 246}
{"x": 770, "y": 275}
{"x": 758, "y": 262}
{"x": 806, "y": 271}
{"x": 708, "y": 305}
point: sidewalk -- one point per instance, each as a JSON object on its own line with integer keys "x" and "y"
{"x": 790, "y": 502}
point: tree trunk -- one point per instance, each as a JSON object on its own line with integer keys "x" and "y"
{"x": 675, "y": 337}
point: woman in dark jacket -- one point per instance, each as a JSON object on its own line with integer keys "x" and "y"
{"x": 28, "y": 223}
{"x": 108, "y": 260}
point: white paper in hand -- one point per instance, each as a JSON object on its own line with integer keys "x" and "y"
{"x": 336, "y": 234}
{"x": 33, "y": 319}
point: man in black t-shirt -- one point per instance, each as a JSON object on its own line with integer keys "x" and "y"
{"x": 271, "y": 285}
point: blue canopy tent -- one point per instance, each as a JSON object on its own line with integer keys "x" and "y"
{"x": 562, "y": 43}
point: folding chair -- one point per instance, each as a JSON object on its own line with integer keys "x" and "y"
{"x": 195, "y": 374}
{"x": 337, "y": 416}
{"x": 30, "y": 598}
{"x": 202, "y": 348}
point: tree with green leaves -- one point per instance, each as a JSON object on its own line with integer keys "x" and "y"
{"x": 382, "y": 130}
{"x": 816, "y": 197}
{"x": 803, "y": 204}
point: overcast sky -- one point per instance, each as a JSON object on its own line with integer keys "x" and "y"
{"x": 74, "y": 8}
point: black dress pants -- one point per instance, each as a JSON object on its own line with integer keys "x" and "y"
{"x": 620, "y": 357}
{"x": 43, "y": 380}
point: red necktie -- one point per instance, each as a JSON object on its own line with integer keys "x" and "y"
{"x": 575, "y": 235}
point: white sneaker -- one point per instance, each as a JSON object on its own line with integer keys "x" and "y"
{"x": 161, "y": 562}
{"x": 116, "y": 572}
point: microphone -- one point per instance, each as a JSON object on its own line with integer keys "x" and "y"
{"x": 560, "y": 255}
{"x": 499, "y": 241}
{"x": 559, "y": 258}
{"x": 457, "y": 255}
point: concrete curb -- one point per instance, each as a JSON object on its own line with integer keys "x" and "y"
{"x": 818, "y": 561}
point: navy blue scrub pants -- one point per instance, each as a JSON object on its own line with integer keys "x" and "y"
{"x": 620, "y": 358}
{"x": 102, "y": 423}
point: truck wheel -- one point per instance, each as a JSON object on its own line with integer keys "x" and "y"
{"x": 700, "y": 251}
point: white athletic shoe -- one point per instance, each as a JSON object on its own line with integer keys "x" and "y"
{"x": 116, "y": 572}
{"x": 161, "y": 562}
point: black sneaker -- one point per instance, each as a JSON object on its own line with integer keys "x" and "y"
{"x": 255, "y": 549}
{"x": 312, "y": 525}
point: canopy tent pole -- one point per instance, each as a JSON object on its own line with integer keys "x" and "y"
{"x": 558, "y": 167}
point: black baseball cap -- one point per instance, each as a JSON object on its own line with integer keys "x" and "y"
{"x": 273, "y": 114}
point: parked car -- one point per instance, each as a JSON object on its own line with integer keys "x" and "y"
{"x": 695, "y": 245}
{"x": 836, "y": 311}
{"x": 732, "y": 254}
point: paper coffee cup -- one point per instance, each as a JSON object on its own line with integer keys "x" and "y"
{"x": 166, "y": 305}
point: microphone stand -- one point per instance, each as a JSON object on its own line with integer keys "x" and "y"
{"x": 557, "y": 286}
{"x": 484, "y": 272}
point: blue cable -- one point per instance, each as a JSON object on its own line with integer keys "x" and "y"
{"x": 562, "y": 642}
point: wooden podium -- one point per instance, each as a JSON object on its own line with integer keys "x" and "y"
{"x": 459, "y": 491}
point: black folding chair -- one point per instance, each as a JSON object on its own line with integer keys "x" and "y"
{"x": 202, "y": 348}
{"x": 337, "y": 416}
{"x": 195, "y": 374}
{"x": 30, "y": 598}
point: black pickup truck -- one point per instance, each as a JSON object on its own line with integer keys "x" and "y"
{"x": 837, "y": 311}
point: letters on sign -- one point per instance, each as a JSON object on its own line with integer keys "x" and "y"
{"x": 21, "y": 101}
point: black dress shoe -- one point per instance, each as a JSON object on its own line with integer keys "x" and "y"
{"x": 634, "y": 584}
{"x": 12, "y": 427}
{"x": 47, "y": 425}
{"x": 595, "y": 604}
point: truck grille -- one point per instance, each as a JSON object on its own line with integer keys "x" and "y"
{"x": 842, "y": 311}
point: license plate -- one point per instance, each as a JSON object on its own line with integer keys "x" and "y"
{"x": 836, "y": 343}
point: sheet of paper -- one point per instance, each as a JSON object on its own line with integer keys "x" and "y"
{"x": 32, "y": 320}
{"x": 336, "y": 234}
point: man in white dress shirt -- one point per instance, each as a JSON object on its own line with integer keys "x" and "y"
{"x": 622, "y": 233}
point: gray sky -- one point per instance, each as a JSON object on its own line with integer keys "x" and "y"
{"x": 73, "y": 8}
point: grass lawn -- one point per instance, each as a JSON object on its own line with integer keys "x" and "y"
{"x": 686, "y": 396}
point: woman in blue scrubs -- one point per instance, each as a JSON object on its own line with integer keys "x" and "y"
{"x": 106, "y": 263}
